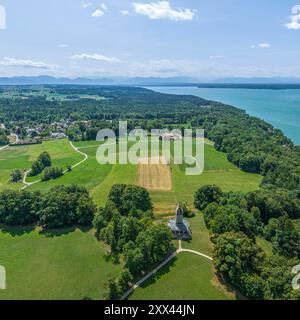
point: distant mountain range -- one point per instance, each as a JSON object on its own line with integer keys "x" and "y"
{"x": 274, "y": 80}
{"x": 140, "y": 81}
{"x": 47, "y": 80}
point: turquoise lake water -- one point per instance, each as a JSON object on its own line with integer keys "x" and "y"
{"x": 281, "y": 108}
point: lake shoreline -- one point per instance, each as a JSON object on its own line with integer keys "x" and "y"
{"x": 281, "y": 108}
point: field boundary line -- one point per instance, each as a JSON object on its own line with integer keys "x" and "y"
{"x": 169, "y": 259}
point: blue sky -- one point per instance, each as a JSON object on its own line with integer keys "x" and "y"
{"x": 206, "y": 39}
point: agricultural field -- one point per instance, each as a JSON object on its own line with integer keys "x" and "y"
{"x": 67, "y": 264}
{"x": 154, "y": 176}
{"x": 187, "y": 277}
{"x": 167, "y": 184}
{"x": 48, "y": 94}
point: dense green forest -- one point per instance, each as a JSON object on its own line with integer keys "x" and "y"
{"x": 3, "y": 138}
{"x": 252, "y": 144}
{"x": 235, "y": 220}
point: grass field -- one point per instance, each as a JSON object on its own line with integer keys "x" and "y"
{"x": 187, "y": 277}
{"x": 48, "y": 94}
{"x": 99, "y": 178}
{"x": 69, "y": 265}
{"x": 22, "y": 157}
{"x": 12, "y": 158}
{"x": 217, "y": 170}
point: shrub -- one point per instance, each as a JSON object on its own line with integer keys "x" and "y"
{"x": 52, "y": 173}
{"x": 16, "y": 175}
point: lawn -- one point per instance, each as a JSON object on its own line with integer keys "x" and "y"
{"x": 201, "y": 239}
{"x": 12, "y": 158}
{"x": 98, "y": 179}
{"x": 187, "y": 277}
{"x": 22, "y": 157}
{"x": 61, "y": 152}
{"x": 69, "y": 265}
{"x": 89, "y": 174}
{"x": 72, "y": 265}
{"x": 217, "y": 170}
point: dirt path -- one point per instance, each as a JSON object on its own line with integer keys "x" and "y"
{"x": 4, "y": 147}
{"x": 84, "y": 154}
{"x": 28, "y": 184}
{"x": 17, "y": 139}
{"x": 145, "y": 278}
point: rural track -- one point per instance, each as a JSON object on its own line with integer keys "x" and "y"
{"x": 80, "y": 152}
{"x": 28, "y": 184}
{"x": 169, "y": 259}
{"x": 4, "y": 147}
{"x": 17, "y": 139}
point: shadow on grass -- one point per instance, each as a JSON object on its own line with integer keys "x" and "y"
{"x": 16, "y": 231}
{"x": 158, "y": 275}
{"x": 51, "y": 233}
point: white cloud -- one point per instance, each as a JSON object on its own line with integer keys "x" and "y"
{"x": 25, "y": 63}
{"x": 294, "y": 23}
{"x": 87, "y": 5}
{"x": 95, "y": 57}
{"x": 97, "y": 14}
{"x": 125, "y": 12}
{"x": 261, "y": 46}
{"x": 163, "y": 10}
{"x": 104, "y": 7}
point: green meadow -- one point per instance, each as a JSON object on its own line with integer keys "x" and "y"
{"x": 98, "y": 179}
{"x": 187, "y": 277}
{"x": 67, "y": 264}
{"x": 71, "y": 264}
